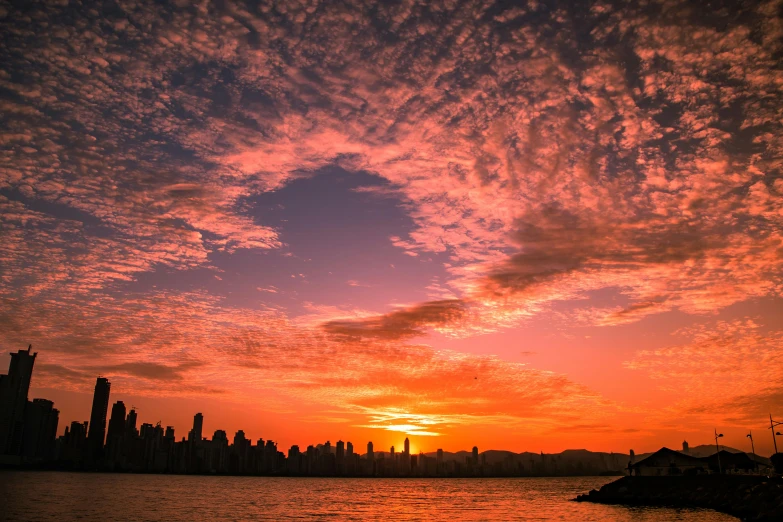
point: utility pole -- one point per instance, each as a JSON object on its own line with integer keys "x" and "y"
{"x": 772, "y": 424}
{"x": 717, "y": 436}
{"x": 753, "y": 450}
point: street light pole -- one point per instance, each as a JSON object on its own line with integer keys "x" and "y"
{"x": 772, "y": 425}
{"x": 717, "y": 436}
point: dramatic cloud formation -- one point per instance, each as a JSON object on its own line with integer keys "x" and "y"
{"x": 616, "y": 166}
{"x": 732, "y": 369}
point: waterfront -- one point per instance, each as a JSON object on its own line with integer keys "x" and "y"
{"x": 37, "y": 496}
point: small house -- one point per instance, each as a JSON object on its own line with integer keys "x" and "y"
{"x": 667, "y": 462}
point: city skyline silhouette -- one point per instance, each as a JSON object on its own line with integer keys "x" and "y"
{"x": 28, "y": 439}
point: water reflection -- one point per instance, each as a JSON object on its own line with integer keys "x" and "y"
{"x": 69, "y": 496}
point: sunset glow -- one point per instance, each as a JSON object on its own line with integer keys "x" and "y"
{"x": 526, "y": 228}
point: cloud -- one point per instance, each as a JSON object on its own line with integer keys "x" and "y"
{"x": 582, "y": 155}
{"x": 399, "y": 324}
{"x": 728, "y": 369}
{"x": 538, "y": 163}
{"x": 378, "y": 381}
{"x": 151, "y": 370}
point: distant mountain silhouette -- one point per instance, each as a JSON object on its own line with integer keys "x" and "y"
{"x": 706, "y": 450}
{"x": 568, "y": 462}
{"x": 572, "y": 461}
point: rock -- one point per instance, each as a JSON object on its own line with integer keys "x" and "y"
{"x": 747, "y": 497}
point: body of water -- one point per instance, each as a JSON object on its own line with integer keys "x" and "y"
{"x": 103, "y": 497}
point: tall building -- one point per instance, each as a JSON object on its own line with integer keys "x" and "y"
{"x": 340, "y": 450}
{"x": 685, "y": 448}
{"x": 349, "y": 449}
{"x": 370, "y": 452}
{"x": 130, "y": 422}
{"x": 240, "y": 439}
{"x": 116, "y": 431}
{"x": 116, "y": 422}
{"x": 407, "y": 447}
{"x": 40, "y": 430}
{"x": 475, "y": 455}
{"x": 13, "y": 400}
{"x": 75, "y": 442}
{"x": 97, "y": 426}
{"x": 198, "y": 426}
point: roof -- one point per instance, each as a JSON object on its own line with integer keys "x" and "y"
{"x": 728, "y": 459}
{"x": 666, "y": 457}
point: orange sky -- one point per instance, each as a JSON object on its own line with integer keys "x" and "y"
{"x": 530, "y": 228}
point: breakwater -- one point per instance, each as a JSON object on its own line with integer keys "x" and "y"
{"x": 750, "y": 498}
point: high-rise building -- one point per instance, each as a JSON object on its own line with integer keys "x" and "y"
{"x": 391, "y": 453}
{"x": 75, "y": 442}
{"x": 370, "y": 452}
{"x": 198, "y": 426}
{"x": 40, "y": 430}
{"x": 340, "y": 450}
{"x": 130, "y": 422}
{"x": 349, "y": 449}
{"x": 407, "y": 447}
{"x": 13, "y": 400}
{"x": 475, "y": 455}
{"x": 97, "y": 426}
{"x": 685, "y": 448}
{"x": 116, "y": 422}
{"x": 116, "y": 431}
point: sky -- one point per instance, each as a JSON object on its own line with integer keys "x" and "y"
{"x": 528, "y": 226}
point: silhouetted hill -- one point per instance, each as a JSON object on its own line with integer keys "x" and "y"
{"x": 568, "y": 462}
{"x": 705, "y": 450}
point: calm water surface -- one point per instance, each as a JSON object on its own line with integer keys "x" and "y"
{"x": 77, "y": 496}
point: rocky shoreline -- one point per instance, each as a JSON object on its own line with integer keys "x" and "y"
{"x": 750, "y": 498}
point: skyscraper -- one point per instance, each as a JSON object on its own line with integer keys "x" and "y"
{"x": 407, "y": 447}
{"x": 475, "y": 455}
{"x": 349, "y": 449}
{"x": 116, "y": 421}
{"x": 97, "y": 427}
{"x": 130, "y": 422}
{"x": 13, "y": 399}
{"x": 116, "y": 431}
{"x": 40, "y": 430}
{"x": 198, "y": 426}
{"x": 370, "y": 452}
